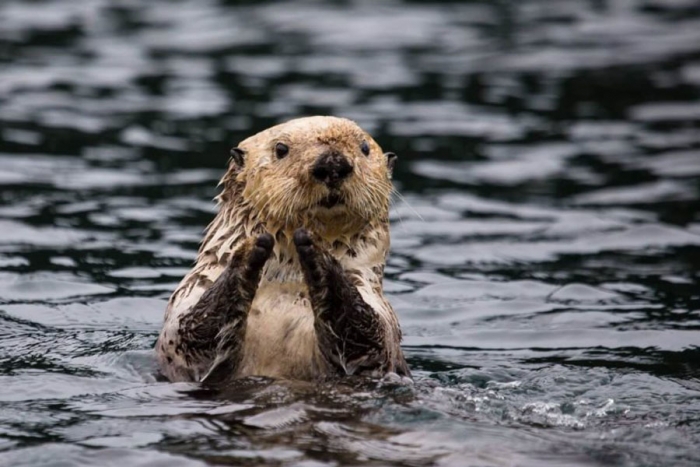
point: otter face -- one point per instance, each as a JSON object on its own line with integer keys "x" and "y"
{"x": 313, "y": 172}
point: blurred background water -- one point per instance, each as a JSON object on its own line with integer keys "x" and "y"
{"x": 545, "y": 265}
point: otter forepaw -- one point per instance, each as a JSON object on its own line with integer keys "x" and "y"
{"x": 313, "y": 261}
{"x": 262, "y": 249}
{"x": 246, "y": 265}
{"x": 302, "y": 238}
{"x": 306, "y": 249}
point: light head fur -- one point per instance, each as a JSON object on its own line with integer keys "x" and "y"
{"x": 281, "y": 195}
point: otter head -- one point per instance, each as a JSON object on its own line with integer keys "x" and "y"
{"x": 322, "y": 173}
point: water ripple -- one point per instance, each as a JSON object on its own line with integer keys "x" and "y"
{"x": 544, "y": 255}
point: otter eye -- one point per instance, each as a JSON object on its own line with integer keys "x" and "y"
{"x": 364, "y": 147}
{"x": 281, "y": 150}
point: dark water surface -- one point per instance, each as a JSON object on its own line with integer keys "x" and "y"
{"x": 545, "y": 264}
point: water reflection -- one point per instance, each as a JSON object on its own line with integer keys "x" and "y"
{"x": 544, "y": 261}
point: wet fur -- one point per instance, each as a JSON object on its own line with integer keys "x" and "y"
{"x": 283, "y": 287}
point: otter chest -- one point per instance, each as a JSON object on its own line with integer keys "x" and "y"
{"x": 280, "y": 338}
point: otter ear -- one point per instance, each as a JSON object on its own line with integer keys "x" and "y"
{"x": 238, "y": 154}
{"x": 390, "y": 160}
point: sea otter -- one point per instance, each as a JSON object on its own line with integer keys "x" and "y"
{"x": 288, "y": 279}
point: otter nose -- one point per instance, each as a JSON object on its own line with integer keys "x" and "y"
{"x": 331, "y": 168}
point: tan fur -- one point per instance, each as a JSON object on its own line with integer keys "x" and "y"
{"x": 279, "y": 196}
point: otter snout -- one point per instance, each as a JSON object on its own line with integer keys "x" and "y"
{"x": 331, "y": 168}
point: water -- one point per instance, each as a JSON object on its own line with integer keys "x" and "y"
{"x": 545, "y": 265}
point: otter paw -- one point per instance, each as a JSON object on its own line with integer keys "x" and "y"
{"x": 309, "y": 256}
{"x": 261, "y": 251}
{"x": 302, "y": 238}
{"x": 305, "y": 246}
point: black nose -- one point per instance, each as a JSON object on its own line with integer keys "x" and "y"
{"x": 331, "y": 168}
